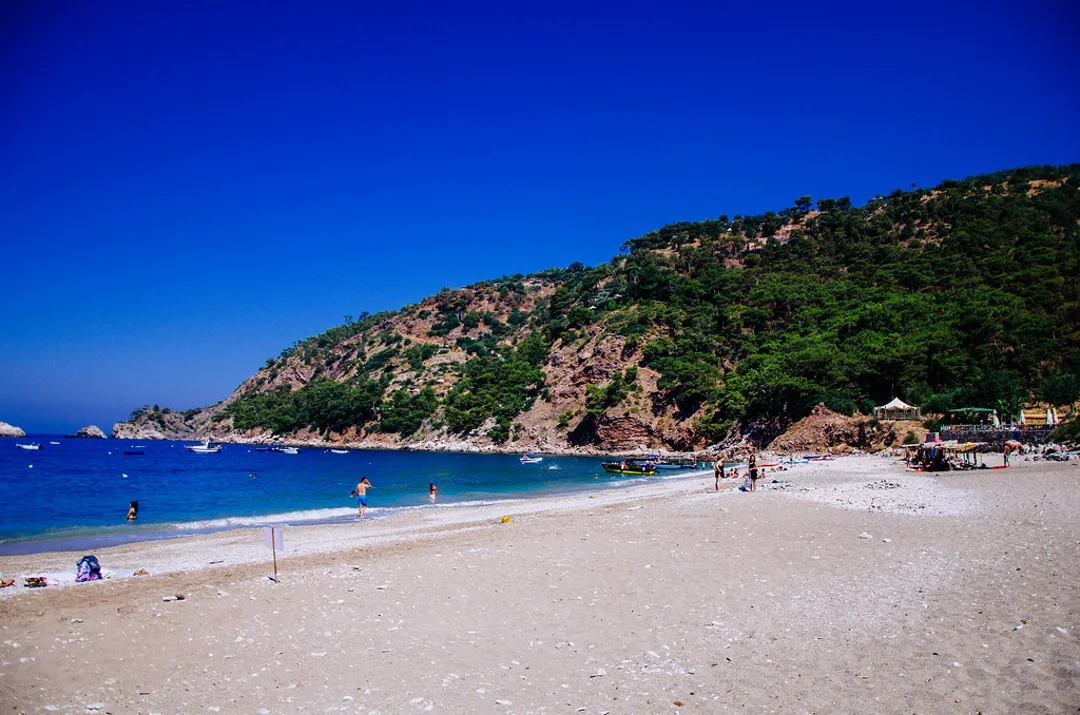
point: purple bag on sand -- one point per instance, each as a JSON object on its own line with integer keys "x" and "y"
{"x": 88, "y": 569}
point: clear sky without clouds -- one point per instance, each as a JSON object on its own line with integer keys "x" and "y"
{"x": 186, "y": 188}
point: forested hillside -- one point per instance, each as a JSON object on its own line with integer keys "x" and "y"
{"x": 961, "y": 295}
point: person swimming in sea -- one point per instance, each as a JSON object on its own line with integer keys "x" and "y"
{"x": 133, "y": 511}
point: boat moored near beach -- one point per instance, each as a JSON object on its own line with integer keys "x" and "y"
{"x": 674, "y": 461}
{"x": 638, "y": 467}
{"x": 530, "y": 459}
{"x": 32, "y": 445}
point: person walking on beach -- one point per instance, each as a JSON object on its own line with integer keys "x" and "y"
{"x": 752, "y": 464}
{"x": 361, "y": 496}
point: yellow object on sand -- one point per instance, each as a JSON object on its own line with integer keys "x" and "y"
{"x": 506, "y": 520}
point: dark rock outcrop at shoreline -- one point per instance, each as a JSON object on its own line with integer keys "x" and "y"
{"x": 7, "y": 430}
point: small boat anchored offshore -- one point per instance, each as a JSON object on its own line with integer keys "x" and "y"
{"x": 206, "y": 447}
{"x": 530, "y": 459}
{"x": 32, "y": 445}
{"x": 288, "y": 450}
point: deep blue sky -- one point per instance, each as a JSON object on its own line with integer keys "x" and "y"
{"x": 188, "y": 187}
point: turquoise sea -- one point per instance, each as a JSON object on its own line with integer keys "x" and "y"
{"x": 73, "y": 494}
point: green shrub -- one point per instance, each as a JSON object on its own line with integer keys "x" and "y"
{"x": 1067, "y": 432}
{"x": 564, "y": 419}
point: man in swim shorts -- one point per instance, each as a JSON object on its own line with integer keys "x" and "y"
{"x": 361, "y": 495}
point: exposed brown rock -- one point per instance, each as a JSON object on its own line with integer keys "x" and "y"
{"x": 826, "y": 431}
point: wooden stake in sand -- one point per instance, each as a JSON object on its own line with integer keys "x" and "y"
{"x": 274, "y": 537}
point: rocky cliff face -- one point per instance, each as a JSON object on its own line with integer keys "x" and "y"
{"x": 90, "y": 432}
{"x": 555, "y": 422}
{"x": 7, "y": 430}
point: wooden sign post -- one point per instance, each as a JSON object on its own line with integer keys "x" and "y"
{"x": 274, "y": 537}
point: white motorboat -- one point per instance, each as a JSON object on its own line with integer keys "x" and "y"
{"x": 289, "y": 450}
{"x": 32, "y": 445}
{"x": 530, "y": 459}
{"x": 205, "y": 448}
{"x": 339, "y": 451}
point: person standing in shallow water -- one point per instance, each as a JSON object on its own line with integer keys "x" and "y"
{"x": 133, "y": 511}
{"x": 361, "y": 495}
{"x": 432, "y": 491}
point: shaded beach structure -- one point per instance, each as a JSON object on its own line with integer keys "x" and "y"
{"x": 897, "y": 409}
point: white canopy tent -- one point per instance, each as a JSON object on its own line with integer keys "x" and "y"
{"x": 898, "y": 410}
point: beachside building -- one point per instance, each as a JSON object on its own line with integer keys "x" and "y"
{"x": 897, "y": 409}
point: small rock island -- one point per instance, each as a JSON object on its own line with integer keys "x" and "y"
{"x": 7, "y": 430}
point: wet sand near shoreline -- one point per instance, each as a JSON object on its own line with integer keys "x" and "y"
{"x": 853, "y": 587}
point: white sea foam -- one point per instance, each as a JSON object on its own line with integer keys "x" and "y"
{"x": 478, "y": 502}
{"x": 314, "y": 515}
{"x": 627, "y": 482}
{"x": 265, "y": 520}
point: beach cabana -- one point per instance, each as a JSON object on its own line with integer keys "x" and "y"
{"x": 897, "y": 409}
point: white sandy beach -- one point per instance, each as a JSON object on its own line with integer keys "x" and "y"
{"x": 855, "y": 587}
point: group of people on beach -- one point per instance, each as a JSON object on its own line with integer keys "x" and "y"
{"x": 720, "y": 472}
{"x": 361, "y": 494}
